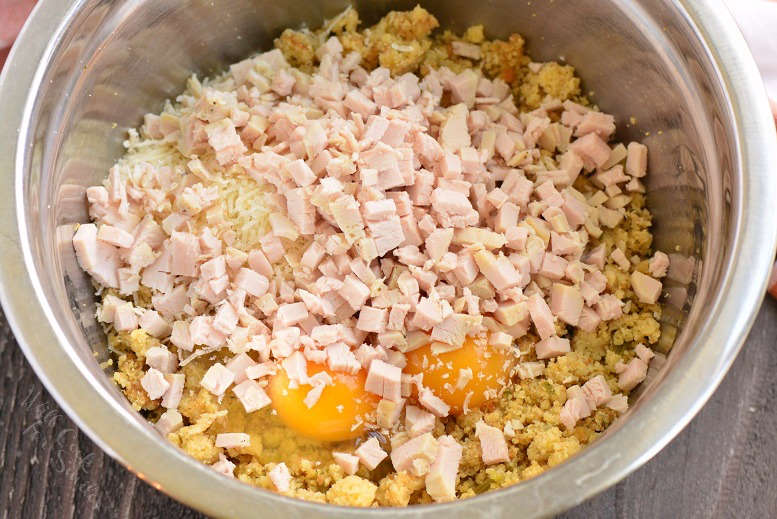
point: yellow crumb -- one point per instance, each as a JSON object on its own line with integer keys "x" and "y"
{"x": 352, "y": 491}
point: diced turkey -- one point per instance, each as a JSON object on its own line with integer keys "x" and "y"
{"x": 493, "y": 447}
{"x": 441, "y": 480}
{"x": 98, "y": 258}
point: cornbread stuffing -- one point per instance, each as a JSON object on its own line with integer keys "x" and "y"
{"x": 378, "y": 267}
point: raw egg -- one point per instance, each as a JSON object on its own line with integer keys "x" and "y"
{"x": 475, "y": 369}
{"x": 337, "y": 415}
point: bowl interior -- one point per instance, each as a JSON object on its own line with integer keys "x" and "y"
{"x": 115, "y": 61}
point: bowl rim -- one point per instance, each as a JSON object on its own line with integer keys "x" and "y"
{"x": 116, "y": 429}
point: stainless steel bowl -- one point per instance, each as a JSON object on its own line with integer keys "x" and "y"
{"x": 84, "y": 71}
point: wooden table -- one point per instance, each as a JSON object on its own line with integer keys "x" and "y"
{"x": 724, "y": 464}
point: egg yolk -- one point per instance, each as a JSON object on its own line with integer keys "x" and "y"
{"x": 337, "y": 415}
{"x": 475, "y": 369}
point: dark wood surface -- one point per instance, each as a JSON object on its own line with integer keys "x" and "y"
{"x": 724, "y": 464}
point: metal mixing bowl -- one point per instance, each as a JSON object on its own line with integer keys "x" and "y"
{"x": 85, "y": 71}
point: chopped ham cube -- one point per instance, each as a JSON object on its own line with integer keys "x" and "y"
{"x": 379, "y": 209}
{"x": 527, "y": 370}
{"x": 618, "y": 403}
{"x": 225, "y": 320}
{"x": 301, "y": 173}
{"x": 541, "y": 316}
{"x": 506, "y": 217}
{"x": 280, "y": 477}
{"x": 433, "y": 403}
{"x": 348, "y": 462}
{"x": 366, "y": 354}
{"x": 658, "y": 265}
{"x": 296, "y": 367}
{"x": 415, "y": 455}
{"x": 493, "y": 446}
{"x": 421, "y": 191}
{"x": 596, "y": 122}
{"x": 107, "y": 309}
{"x": 634, "y": 373}
{"x": 180, "y": 337}
{"x": 396, "y": 320}
{"x": 644, "y": 353}
{"x": 256, "y": 371}
{"x": 214, "y": 268}
{"x": 418, "y": 421}
{"x": 232, "y": 440}
{"x": 437, "y": 243}
{"x": 454, "y": 134}
{"x": 252, "y": 282}
{"x": 251, "y": 395}
{"x": 170, "y": 421}
{"x": 498, "y": 270}
{"x": 387, "y": 234}
{"x": 160, "y": 358}
{"x": 589, "y": 320}
{"x": 636, "y": 160}
{"x": 345, "y": 210}
{"x": 463, "y": 87}
{"x": 620, "y": 259}
{"x": 313, "y": 255}
{"x": 466, "y": 269}
{"x": 356, "y": 101}
{"x": 552, "y": 347}
{"x": 283, "y": 83}
{"x": 553, "y": 267}
{"x": 301, "y": 211}
{"x": 217, "y": 379}
{"x": 238, "y": 365}
{"x": 384, "y": 380}
{"x": 429, "y": 152}
{"x": 388, "y": 412}
{"x": 225, "y": 141}
{"x": 441, "y": 480}
{"x": 154, "y": 324}
{"x": 154, "y": 383}
{"x": 453, "y": 204}
{"x": 184, "y": 253}
{"x": 574, "y": 209}
{"x": 326, "y": 334}
{"x": 98, "y": 258}
{"x": 201, "y": 331}
{"x": 125, "y": 319}
{"x": 566, "y": 303}
{"x": 476, "y": 235}
{"x": 314, "y": 394}
{"x": 291, "y": 313}
{"x": 597, "y": 391}
{"x": 466, "y": 50}
{"x": 563, "y": 245}
{"x": 592, "y": 149}
{"x": 224, "y": 466}
{"x": 372, "y": 319}
{"x": 370, "y": 453}
{"x": 454, "y": 329}
{"x": 428, "y": 313}
{"x": 115, "y": 236}
{"x": 340, "y": 358}
{"x": 608, "y": 307}
{"x": 647, "y": 288}
{"x": 575, "y": 408}
{"x": 259, "y": 263}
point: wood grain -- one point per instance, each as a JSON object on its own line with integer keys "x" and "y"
{"x": 722, "y": 465}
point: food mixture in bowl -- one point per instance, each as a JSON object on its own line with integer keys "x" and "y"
{"x": 378, "y": 267}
